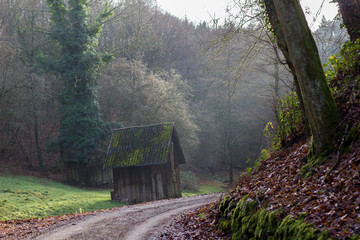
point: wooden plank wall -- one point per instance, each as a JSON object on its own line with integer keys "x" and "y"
{"x": 147, "y": 183}
{"x": 139, "y": 184}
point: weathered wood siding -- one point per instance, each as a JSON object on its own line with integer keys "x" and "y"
{"x": 88, "y": 175}
{"x": 147, "y": 183}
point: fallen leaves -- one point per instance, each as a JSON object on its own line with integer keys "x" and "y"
{"x": 20, "y": 229}
{"x": 197, "y": 224}
{"x": 331, "y": 201}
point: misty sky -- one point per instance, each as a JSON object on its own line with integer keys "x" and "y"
{"x": 205, "y": 10}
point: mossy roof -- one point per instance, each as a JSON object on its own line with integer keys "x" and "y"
{"x": 143, "y": 146}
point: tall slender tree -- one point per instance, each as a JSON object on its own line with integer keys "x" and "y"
{"x": 27, "y": 50}
{"x": 78, "y": 66}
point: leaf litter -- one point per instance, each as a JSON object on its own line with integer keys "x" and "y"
{"x": 331, "y": 201}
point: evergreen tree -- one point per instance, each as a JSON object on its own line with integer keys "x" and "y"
{"x": 78, "y": 66}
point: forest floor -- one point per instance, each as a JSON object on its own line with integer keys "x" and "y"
{"x": 330, "y": 198}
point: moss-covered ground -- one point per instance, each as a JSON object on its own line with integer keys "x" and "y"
{"x": 246, "y": 219}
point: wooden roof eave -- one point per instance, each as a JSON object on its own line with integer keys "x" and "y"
{"x": 177, "y": 145}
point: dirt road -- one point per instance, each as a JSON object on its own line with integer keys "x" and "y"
{"x": 133, "y": 222}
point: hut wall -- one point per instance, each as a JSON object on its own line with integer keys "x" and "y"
{"x": 138, "y": 184}
{"x": 143, "y": 184}
{"x": 174, "y": 181}
{"x": 88, "y": 175}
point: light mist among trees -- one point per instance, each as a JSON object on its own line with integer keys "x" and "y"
{"x": 217, "y": 82}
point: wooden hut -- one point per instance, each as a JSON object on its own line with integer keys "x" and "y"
{"x": 145, "y": 162}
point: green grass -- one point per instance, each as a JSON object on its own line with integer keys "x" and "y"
{"x": 204, "y": 189}
{"x": 29, "y": 197}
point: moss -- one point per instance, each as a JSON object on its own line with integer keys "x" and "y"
{"x": 224, "y": 225}
{"x": 356, "y": 237}
{"x": 115, "y": 140}
{"x": 139, "y": 146}
{"x": 164, "y": 134}
{"x": 290, "y": 228}
{"x": 247, "y": 221}
{"x": 350, "y": 138}
{"x": 231, "y": 205}
{"x": 134, "y": 158}
{"x": 325, "y": 235}
{"x": 266, "y": 225}
{"x": 224, "y": 204}
{"x": 224, "y": 222}
{"x": 313, "y": 160}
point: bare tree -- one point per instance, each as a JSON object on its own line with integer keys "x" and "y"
{"x": 135, "y": 95}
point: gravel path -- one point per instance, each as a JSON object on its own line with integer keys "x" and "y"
{"x": 135, "y": 222}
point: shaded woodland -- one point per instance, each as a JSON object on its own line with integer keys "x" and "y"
{"x": 252, "y": 81}
{"x": 219, "y": 82}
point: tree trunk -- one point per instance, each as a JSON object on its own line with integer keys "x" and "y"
{"x": 295, "y": 37}
{"x": 276, "y": 79}
{"x": 37, "y": 140}
{"x": 350, "y": 12}
{"x": 275, "y": 23}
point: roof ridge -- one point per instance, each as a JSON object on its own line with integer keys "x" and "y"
{"x": 143, "y": 126}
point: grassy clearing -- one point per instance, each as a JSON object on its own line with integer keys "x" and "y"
{"x": 205, "y": 188}
{"x": 29, "y": 197}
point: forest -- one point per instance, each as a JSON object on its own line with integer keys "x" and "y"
{"x": 220, "y": 83}
{"x": 259, "y": 100}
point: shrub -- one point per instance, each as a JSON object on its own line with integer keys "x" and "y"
{"x": 189, "y": 181}
{"x": 290, "y": 120}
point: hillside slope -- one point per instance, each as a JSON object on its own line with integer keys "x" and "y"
{"x": 326, "y": 201}
{"x": 330, "y": 199}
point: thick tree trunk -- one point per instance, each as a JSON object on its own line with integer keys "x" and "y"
{"x": 350, "y": 12}
{"x": 273, "y": 19}
{"x": 295, "y": 37}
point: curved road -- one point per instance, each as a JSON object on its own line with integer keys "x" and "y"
{"x": 133, "y": 222}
